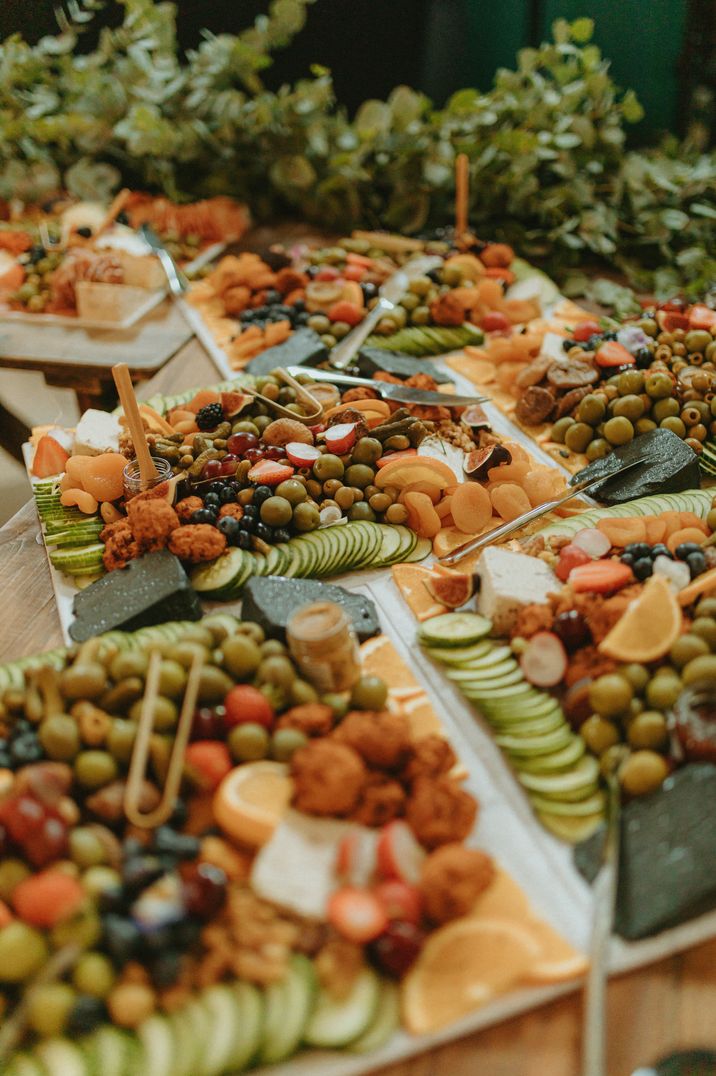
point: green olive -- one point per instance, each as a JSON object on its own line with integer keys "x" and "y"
{"x": 277, "y": 511}
{"x": 599, "y": 734}
{"x": 292, "y": 491}
{"x": 559, "y": 429}
{"x": 285, "y": 742}
{"x": 60, "y": 737}
{"x": 276, "y": 669}
{"x": 705, "y": 628}
{"x": 328, "y": 466}
{"x": 578, "y": 436}
{"x": 630, "y": 381}
{"x": 300, "y": 692}
{"x": 707, "y": 606}
{"x": 172, "y": 679}
{"x": 248, "y": 742}
{"x": 95, "y": 769}
{"x": 631, "y": 407}
{"x": 185, "y": 652}
{"x": 648, "y": 729}
{"x": 396, "y": 514}
{"x": 196, "y": 633}
{"x": 686, "y": 648}
{"x": 129, "y": 663}
{"x": 618, "y": 431}
{"x": 658, "y": 385}
{"x": 666, "y": 408}
{"x": 610, "y": 695}
{"x": 165, "y": 712}
{"x": 306, "y": 516}
{"x": 698, "y": 340}
{"x": 12, "y": 872}
{"x": 637, "y": 675}
{"x": 360, "y": 475}
{"x": 598, "y": 449}
{"x": 86, "y": 848}
{"x": 674, "y": 424}
{"x": 643, "y": 772}
{"x": 254, "y": 631}
{"x": 83, "y": 680}
{"x": 367, "y": 450}
{"x": 273, "y": 646}
{"x": 94, "y": 974}
{"x": 380, "y": 502}
{"x": 663, "y": 690}
{"x": 369, "y": 693}
{"x": 592, "y": 409}
{"x": 214, "y": 685}
{"x": 701, "y": 668}
{"x": 120, "y": 739}
{"x": 241, "y": 656}
{"x": 362, "y": 511}
{"x": 49, "y": 1006}
{"x": 644, "y": 425}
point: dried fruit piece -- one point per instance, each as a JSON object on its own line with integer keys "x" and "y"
{"x": 509, "y": 501}
{"x": 451, "y": 589}
{"x": 478, "y": 462}
{"x": 471, "y": 507}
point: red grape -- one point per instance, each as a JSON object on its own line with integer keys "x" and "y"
{"x": 254, "y": 454}
{"x": 229, "y": 464}
{"x": 204, "y": 890}
{"x": 275, "y": 453}
{"x": 572, "y": 629}
{"x": 239, "y": 442}
{"x": 48, "y": 843}
{"x": 212, "y": 469}
{"x": 397, "y": 948}
{"x": 22, "y": 815}
{"x": 206, "y": 724}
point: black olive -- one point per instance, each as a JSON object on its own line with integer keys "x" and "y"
{"x": 85, "y": 232}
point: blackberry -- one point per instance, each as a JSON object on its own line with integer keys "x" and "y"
{"x": 209, "y": 417}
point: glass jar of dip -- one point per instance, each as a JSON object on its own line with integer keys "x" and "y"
{"x": 133, "y": 483}
{"x": 323, "y": 644}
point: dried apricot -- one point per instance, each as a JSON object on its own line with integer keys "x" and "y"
{"x": 422, "y": 517}
{"x": 509, "y": 501}
{"x": 686, "y": 534}
{"x": 621, "y": 532}
{"x": 471, "y": 507}
{"x": 542, "y": 484}
{"x": 103, "y": 477}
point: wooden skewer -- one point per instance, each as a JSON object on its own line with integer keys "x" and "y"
{"x": 147, "y": 471}
{"x": 118, "y": 203}
{"x": 140, "y": 752}
{"x": 462, "y": 191}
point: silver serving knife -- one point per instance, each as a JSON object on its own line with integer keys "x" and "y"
{"x": 388, "y": 391}
{"x": 516, "y": 524}
{"x": 388, "y": 296}
{"x": 178, "y": 283}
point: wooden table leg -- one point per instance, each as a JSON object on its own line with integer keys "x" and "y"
{"x": 13, "y": 433}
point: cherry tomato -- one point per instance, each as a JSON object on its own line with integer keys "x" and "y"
{"x": 570, "y": 556}
{"x": 245, "y": 703}
{"x": 210, "y": 761}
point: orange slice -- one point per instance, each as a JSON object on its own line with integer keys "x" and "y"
{"x": 421, "y": 717}
{"x": 380, "y": 658}
{"x": 479, "y": 371}
{"x": 449, "y": 538}
{"x": 558, "y": 960}
{"x": 463, "y": 966}
{"x": 415, "y": 469}
{"x": 648, "y": 628}
{"x": 503, "y": 898}
{"x": 251, "y": 801}
{"x": 410, "y": 580}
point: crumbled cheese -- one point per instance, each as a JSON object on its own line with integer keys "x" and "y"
{"x": 96, "y": 432}
{"x": 508, "y": 582}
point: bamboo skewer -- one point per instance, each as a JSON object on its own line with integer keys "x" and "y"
{"x": 118, "y": 203}
{"x": 140, "y": 752}
{"x": 147, "y": 471}
{"x": 462, "y": 191}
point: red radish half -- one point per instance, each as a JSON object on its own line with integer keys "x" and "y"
{"x": 544, "y": 662}
{"x": 592, "y": 542}
{"x": 357, "y": 857}
{"x": 357, "y": 914}
{"x": 301, "y": 455}
{"x": 401, "y": 901}
{"x": 341, "y": 437}
{"x": 400, "y": 855}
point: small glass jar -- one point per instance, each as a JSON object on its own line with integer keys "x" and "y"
{"x": 322, "y": 642}
{"x": 694, "y": 721}
{"x": 133, "y": 483}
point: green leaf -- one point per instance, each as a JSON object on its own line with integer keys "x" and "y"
{"x": 582, "y": 30}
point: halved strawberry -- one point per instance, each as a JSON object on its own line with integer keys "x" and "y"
{"x": 612, "y": 353}
{"x": 584, "y": 330}
{"x": 357, "y": 914}
{"x": 401, "y": 901}
{"x": 669, "y": 321}
{"x": 702, "y": 317}
{"x": 400, "y": 855}
{"x": 50, "y": 457}
{"x": 269, "y": 473}
{"x": 357, "y": 859}
{"x": 341, "y": 437}
{"x": 300, "y": 454}
{"x": 600, "y": 577}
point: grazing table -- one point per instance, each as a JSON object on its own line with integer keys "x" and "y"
{"x": 669, "y": 1005}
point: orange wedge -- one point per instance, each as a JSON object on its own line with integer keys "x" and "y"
{"x": 421, "y": 717}
{"x": 449, "y": 538}
{"x": 463, "y": 966}
{"x": 648, "y": 628}
{"x": 380, "y": 658}
{"x": 251, "y": 801}
{"x": 503, "y": 898}
{"x": 558, "y": 960}
{"x": 478, "y": 370}
{"x": 410, "y": 581}
{"x": 415, "y": 469}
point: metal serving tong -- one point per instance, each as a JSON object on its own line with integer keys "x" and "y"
{"x": 140, "y": 751}
{"x": 388, "y": 297}
{"x": 516, "y": 524}
{"x": 594, "y": 1030}
{"x": 303, "y": 394}
{"x": 178, "y": 283}
{"x": 389, "y": 391}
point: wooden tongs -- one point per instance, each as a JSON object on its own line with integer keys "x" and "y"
{"x": 304, "y": 396}
{"x": 140, "y": 752}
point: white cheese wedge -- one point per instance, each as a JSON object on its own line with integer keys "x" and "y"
{"x": 96, "y": 432}
{"x": 296, "y": 869}
{"x": 510, "y": 581}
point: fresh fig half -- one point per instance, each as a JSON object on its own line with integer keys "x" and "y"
{"x": 451, "y": 589}
{"x": 476, "y": 418}
{"x": 478, "y": 462}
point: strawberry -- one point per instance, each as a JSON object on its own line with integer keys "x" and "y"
{"x": 269, "y": 473}
{"x": 612, "y": 353}
{"x": 341, "y": 437}
{"x": 399, "y": 853}
{"x": 50, "y": 457}
{"x": 702, "y": 317}
{"x": 401, "y": 901}
{"x": 356, "y": 861}
{"x": 669, "y": 321}
{"x": 584, "y": 330}
{"x": 209, "y": 761}
{"x": 495, "y": 322}
{"x": 357, "y": 914}
{"x": 600, "y": 577}
{"x": 300, "y": 454}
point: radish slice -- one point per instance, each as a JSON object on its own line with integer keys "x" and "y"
{"x": 357, "y": 857}
{"x": 341, "y": 437}
{"x": 399, "y": 853}
{"x": 544, "y": 661}
{"x": 592, "y": 542}
{"x": 301, "y": 455}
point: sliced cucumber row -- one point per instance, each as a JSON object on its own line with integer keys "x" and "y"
{"x": 325, "y": 552}
{"x": 226, "y": 1028}
{"x": 550, "y": 760}
{"x": 428, "y": 339}
{"x": 691, "y": 500}
{"x": 82, "y": 560}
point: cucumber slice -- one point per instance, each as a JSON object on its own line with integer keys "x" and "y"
{"x": 693, "y": 500}
{"x": 336, "y": 1023}
{"x": 534, "y": 706}
{"x": 219, "y": 574}
{"x": 249, "y": 1020}
{"x": 78, "y": 561}
{"x": 288, "y": 1008}
{"x": 494, "y": 655}
{"x": 584, "y": 775}
{"x": 461, "y": 654}
{"x": 156, "y": 1038}
{"x": 407, "y": 541}
{"x": 61, "y": 1057}
{"x": 591, "y": 805}
{"x": 486, "y": 671}
{"x": 572, "y": 830}
{"x": 559, "y": 760}
{"x": 391, "y": 542}
{"x": 533, "y": 726}
{"x": 220, "y": 1006}
{"x": 384, "y": 1024}
{"x": 483, "y": 688}
{"x": 454, "y": 629}
{"x": 112, "y": 1051}
{"x": 24, "y": 1065}
{"x": 544, "y": 743}
{"x": 422, "y": 549}
{"x": 195, "y": 1022}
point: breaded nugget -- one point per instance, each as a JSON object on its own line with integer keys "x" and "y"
{"x": 381, "y": 800}
{"x": 119, "y": 545}
{"x": 151, "y": 521}
{"x": 197, "y": 542}
{"x": 430, "y": 756}
{"x": 382, "y": 739}
{"x": 185, "y": 508}
{"x": 439, "y": 811}
{"x": 453, "y": 877}
{"x": 328, "y": 777}
{"x": 313, "y": 718}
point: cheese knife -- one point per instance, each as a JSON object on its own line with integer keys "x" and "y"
{"x": 534, "y": 513}
{"x": 388, "y": 296}
{"x": 388, "y": 391}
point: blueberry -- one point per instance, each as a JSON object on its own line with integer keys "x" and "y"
{"x": 273, "y": 297}
{"x": 696, "y": 563}
{"x": 628, "y": 559}
{"x": 660, "y": 550}
{"x": 26, "y": 748}
{"x": 182, "y": 845}
{"x": 203, "y": 515}
{"x": 369, "y": 290}
{"x": 638, "y": 549}
{"x": 281, "y": 535}
{"x": 593, "y": 342}
{"x": 244, "y": 540}
{"x": 86, "y": 1014}
{"x": 263, "y": 532}
{"x": 247, "y": 525}
{"x": 85, "y": 232}
{"x": 229, "y": 527}
{"x": 211, "y": 499}
{"x": 302, "y": 318}
{"x": 644, "y": 358}
{"x": 609, "y": 336}
{"x": 299, "y": 306}
{"x": 684, "y": 550}
{"x": 140, "y": 871}
{"x": 567, "y": 345}
{"x": 261, "y": 312}
{"x": 227, "y": 495}
{"x": 216, "y": 487}
{"x": 251, "y": 511}
{"x": 643, "y": 568}
{"x": 261, "y": 494}
{"x": 166, "y": 968}
{"x": 120, "y": 936}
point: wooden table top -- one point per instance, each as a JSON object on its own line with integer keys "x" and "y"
{"x": 667, "y": 1006}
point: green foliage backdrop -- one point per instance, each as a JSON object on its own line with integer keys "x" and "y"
{"x": 549, "y": 168}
